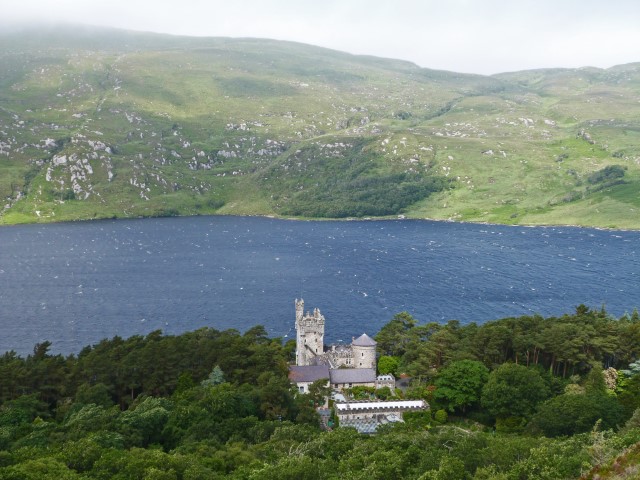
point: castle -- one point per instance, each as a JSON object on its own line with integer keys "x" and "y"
{"x": 314, "y": 363}
{"x": 310, "y": 350}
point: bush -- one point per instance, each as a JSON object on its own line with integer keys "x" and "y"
{"x": 384, "y": 393}
{"x": 215, "y": 203}
{"x": 68, "y": 194}
{"x": 607, "y": 174}
{"x": 418, "y": 419}
{"x": 440, "y": 416}
{"x": 510, "y": 424}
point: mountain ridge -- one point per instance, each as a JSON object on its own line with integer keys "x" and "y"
{"x": 136, "y": 124}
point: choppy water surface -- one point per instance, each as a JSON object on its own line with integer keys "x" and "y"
{"x": 76, "y": 283}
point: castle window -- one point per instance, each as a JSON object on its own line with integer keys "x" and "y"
{"x": 363, "y": 354}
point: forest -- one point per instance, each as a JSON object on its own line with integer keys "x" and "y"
{"x": 516, "y": 398}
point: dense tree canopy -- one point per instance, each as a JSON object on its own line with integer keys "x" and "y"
{"x": 567, "y": 345}
{"x": 569, "y": 414}
{"x": 218, "y": 404}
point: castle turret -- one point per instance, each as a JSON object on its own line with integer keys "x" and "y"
{"x": 299, "y": 310}
{"x": 364, "y": 352}
{"x": 309, "y": 334}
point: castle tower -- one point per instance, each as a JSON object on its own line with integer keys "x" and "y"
{"x": 364, "y": 352}
{"x": 309, "y": 334}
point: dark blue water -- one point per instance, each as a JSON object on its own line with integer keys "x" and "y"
{"x": 76, "y": 283}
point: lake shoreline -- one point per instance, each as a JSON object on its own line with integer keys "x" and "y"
{"x": 50, "y": 221}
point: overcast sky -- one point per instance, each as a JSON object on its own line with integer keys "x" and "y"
{"x": 476, "y": 36}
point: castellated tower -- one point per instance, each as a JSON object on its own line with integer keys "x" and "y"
{"x": 309, "y": 335}
{"x": 364, "y": 352}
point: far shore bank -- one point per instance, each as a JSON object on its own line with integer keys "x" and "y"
{"x": 49, "y": 220}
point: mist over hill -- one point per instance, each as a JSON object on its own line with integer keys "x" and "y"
{"x": 101, "y": 123}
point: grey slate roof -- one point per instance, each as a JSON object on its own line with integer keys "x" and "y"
{"x": 353, "y": 375}
{"x": 308, "y": 373}
{"x": 364, "y": 340}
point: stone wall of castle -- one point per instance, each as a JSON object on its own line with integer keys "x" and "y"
{"x": 339, "y": 355}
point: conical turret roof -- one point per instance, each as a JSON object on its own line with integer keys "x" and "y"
{"x": 364, "y": 340}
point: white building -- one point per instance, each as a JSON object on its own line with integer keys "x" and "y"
{"x": 367, "y": 416}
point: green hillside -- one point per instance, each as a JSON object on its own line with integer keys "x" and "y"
{"x": 99, "y": 123}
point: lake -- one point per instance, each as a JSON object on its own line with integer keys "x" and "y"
{"x": 76, "y": 283}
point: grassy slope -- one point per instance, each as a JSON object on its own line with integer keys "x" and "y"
{"x": 99, "y": 123}
{"x": 539, "y": 158}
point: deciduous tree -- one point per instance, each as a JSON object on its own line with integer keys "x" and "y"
{"x": 513, "y": 391}
{"x": 460, "y": 383}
